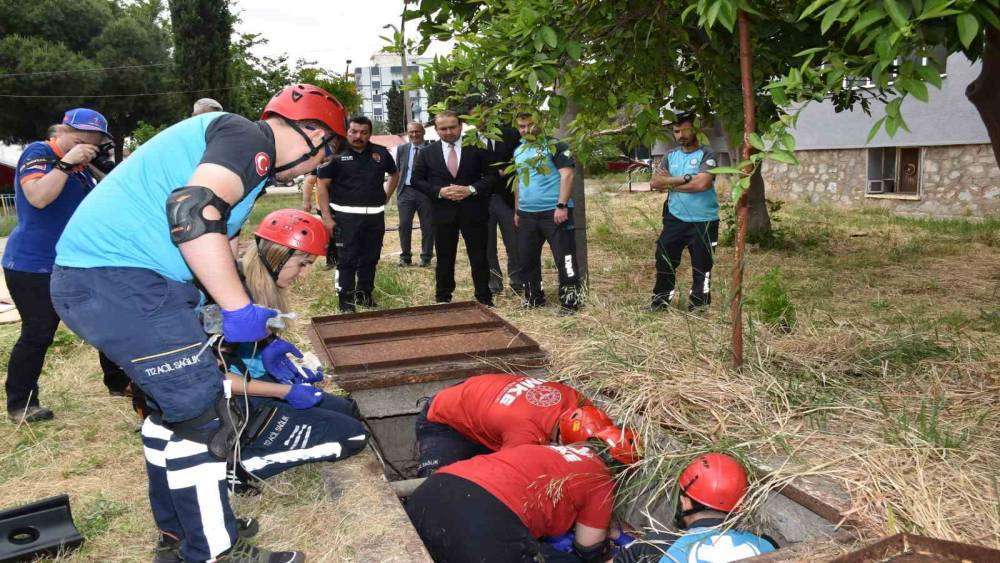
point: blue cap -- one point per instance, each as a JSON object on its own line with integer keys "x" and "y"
{"x": 83, "y": 119}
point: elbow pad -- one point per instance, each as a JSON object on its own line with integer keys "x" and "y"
{"x": 186, "y": 217}
{"x": 597, "y": 553}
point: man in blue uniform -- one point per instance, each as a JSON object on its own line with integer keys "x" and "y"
{"x": 124, "y": 280}
{"x": 545, "y": 169}
{"x": 690, "y": 217}
{"x": 51, "y": 180}
{"x": 711, "y": 488}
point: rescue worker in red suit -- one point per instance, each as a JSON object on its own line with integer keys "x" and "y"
{"x": 487, "y": 413}
{"x": 496, "y": 508}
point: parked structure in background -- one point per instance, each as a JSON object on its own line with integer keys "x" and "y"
{"x": 373, "y": 83}
{"x": 942, "y": 167}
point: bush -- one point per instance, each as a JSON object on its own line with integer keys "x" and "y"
{"x": 7, "y": 225}
{"x": 769, "y": 302}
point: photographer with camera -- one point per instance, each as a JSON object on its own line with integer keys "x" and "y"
{"x": 52, "y": 178}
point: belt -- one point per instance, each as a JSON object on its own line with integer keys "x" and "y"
{"x": 358, "y": 210}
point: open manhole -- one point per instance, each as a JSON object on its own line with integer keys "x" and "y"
{"x": 390, "y": 360}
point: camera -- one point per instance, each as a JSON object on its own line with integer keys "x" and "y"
{"x": 105, "y": 159}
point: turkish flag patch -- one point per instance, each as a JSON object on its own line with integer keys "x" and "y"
{"x": 262, "y": 162}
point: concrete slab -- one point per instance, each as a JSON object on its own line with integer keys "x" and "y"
{"x": 364, "y": 498}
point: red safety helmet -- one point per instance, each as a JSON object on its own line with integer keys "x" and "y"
{"x": 582, "y": 423}
{"x": 303, "y": 102}
{"x": 623, "y": 445}
{"x": 715, "y": 480}
{"x": 295, "y": 229}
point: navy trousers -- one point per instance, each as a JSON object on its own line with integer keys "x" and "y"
{"x": 147, "y": 324}
{"x": 330, "y": 431}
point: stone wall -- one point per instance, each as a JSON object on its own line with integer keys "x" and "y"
{"x": 956, "y": 181}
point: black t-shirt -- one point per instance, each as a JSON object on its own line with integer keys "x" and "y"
{"x": 357, "y": 178}
{"x": 230, "y": 139}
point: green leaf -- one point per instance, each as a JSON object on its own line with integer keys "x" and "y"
{"x": 896, "y": 13}
{"x": 778, "y": 95}
{"x": 756, "y": 142}
{"x": 831, "y": 16}
{"x": 874, "y": 129}
{"x": 574, "y": 50}
{"x": 687, "y": 11}
{"x": 549, "y": 36}
{"x": 930, "y": 74}
{"x": 713, "y": 13}
{"x": 968, "y": 28}
{"x": 726, "y": 170}
{"x": 812, "y": 8}
{"x": 891, "y": 125}
{"x": 936, "y": 9}
{"x": 866, "y": 19}
{"x": 783, "y": 156}
{"x": 739, "y": 187}
{"x": 788, "y": 140}
{"x": 915, "y": 87}
{"x": 808, "y": 52}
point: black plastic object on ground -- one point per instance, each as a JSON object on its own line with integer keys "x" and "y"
{"x": 41, "y": 528}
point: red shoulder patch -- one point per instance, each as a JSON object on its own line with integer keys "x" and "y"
{"x": 262, "y": 162}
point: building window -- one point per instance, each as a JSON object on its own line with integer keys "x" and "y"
{"x": 893, "y": 170}
{"x": 378, "y": 112}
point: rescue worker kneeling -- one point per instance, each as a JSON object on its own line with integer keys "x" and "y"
{"x": 290, "y": 422}
{"x": 487, "y": 413}
{"x": 495, "y": 508}
{"x": 711, "y": 490}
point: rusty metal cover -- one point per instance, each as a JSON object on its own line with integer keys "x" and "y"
{"x": 910, "y": 548}
{"x": 420, "y": 344}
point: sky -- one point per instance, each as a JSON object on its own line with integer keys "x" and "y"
{"x": 325, "y": 31}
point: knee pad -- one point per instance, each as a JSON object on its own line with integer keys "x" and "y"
{"x": 186, "y": 217}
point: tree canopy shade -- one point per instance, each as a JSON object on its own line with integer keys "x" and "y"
{"x": 202, "y": 31}
{"x": 58, "y": 54}
{"x": 394, "y": 103}
{"x": 640, "y": 62}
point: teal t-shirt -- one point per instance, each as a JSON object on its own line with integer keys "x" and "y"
{"x": 692, "y": 207}
{"x": 123, "y": 222}
{"x": 538, "y": 174}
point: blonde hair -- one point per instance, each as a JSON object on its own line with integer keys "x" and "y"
{"x": 262, "y": 286}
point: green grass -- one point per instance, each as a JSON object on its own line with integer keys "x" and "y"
{"x": 7, "y": 225}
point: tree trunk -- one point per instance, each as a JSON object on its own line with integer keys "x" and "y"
{"x": 119, "y": 146}
{"x": 984, "y": 91}
{"x": 579, "y": 197}
{"x": 758, "y": 220}
{"x": 749, "y": 126}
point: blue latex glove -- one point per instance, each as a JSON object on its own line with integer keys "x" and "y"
{"x": 311, "y": 376}
{"x": 277, "y": 364}
{"x": 623, "y": 540}
{"x": 563, "y": 543}
{"x": 248, "y": 324}
{"x": 302, "y": 396}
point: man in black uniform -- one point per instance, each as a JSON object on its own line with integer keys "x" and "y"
{"x": 352, "y": 201}
{"x": 502, "y": 213}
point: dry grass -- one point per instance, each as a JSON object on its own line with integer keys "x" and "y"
{"x": 904, "y": 316}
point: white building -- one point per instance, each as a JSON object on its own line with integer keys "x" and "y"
{"x": 373, "y": 83}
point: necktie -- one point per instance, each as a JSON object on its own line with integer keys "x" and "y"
{"x": 453, "y": 160}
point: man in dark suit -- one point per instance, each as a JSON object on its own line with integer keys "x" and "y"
{"x": 411, "y": 200}
{"x": 502, "y": 213}
{"x": 459, "y": 180}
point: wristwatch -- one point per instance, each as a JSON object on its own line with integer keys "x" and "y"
{"x": 687, "y": 178}
{"x": 472, "y": 190}
{"x": 560, "y": 205}
{"x": 64, "y": 166}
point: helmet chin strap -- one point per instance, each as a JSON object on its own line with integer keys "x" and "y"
{"x": 313, "y": 149}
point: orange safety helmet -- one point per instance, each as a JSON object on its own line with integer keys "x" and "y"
{"x": 715, "y": 480}
{"x": 582, "y": 423}
{"x": 295, "y": 229}
{"x": 303, "y": 102}
{"x": 623, "y": 445}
